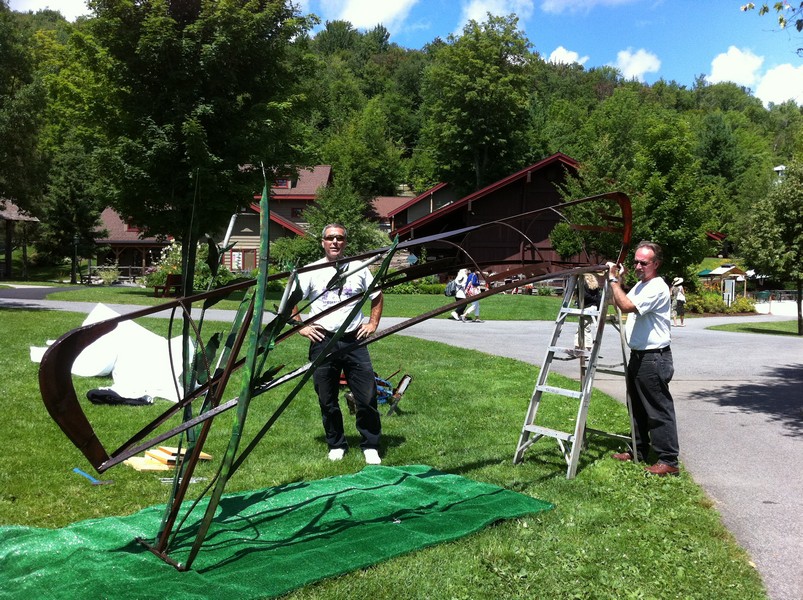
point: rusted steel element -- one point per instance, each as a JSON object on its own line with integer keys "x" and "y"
{"x": 61, "y": 401}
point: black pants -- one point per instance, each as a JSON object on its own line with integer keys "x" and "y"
{"x": 648, "y": 377}
{"x": 359, "y": 372}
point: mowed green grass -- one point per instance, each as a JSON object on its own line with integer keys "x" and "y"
{"x": 503, "y": 307}
{"x": 614, "y": 533}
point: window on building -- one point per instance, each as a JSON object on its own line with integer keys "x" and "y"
{"x": 296, "y": 212}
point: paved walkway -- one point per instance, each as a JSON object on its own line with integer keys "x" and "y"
{"x": 740, "y": 416}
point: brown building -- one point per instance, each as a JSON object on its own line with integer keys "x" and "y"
{"x": 10, "y": 216}
{"x": 289, "y": 198}
{"x": 123, "y": 246}
{"x": 532, "y": 188}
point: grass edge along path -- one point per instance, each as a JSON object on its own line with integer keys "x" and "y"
{"x": 614, "y": 533}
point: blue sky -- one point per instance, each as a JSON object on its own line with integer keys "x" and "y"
{"x": 645, "y": 39}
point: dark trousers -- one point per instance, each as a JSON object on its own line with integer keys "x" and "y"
{"x": 460, "y": 309}
{"x": 359, "y": 371}
{"x": 648, "y": 377}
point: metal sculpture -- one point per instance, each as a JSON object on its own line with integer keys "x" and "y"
{"x": 217, "y": 361}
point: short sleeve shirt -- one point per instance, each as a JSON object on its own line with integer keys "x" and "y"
{"x": 313, "y": 286}
{"x": 649, "y": 327}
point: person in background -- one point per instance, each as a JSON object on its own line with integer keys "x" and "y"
{"x": 678, "y": 302}
{"x": 461, "y": 281}
{"x": 356, "y": 364}
{"x": 650, "y": 368}
{"x": 591, "y": 299}
{"x": 472, "y": 289}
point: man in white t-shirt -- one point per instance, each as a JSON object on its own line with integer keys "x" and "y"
{"x": 326, "y": 287}
{"x": 650, "y": 367}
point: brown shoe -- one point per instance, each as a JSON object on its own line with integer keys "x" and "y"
{"x": 662, "y": 470}
{"x": 623, "y": 456}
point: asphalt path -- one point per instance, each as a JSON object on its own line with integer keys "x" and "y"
{"x": 739, "y": 407}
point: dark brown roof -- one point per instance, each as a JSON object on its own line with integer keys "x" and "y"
{"x": 384, "y": 206}
{"x": 11, "y": 212}
{"x": 280, "y": 220}
{"x": 118, "y": 229}
{"x": 308, "y": 183}
{"x": 417, "y": 199}
{"x": 526, "y": 172}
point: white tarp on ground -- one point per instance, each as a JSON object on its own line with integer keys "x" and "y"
{"x": 137, "y": 359}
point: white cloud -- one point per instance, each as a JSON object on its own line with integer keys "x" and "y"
{"x": 635, "y": 65}
{"x": 573, "y": 6}
{"x": 365, "y": 14}
{"x": 561, "y": 55}
{"x": 738, "y": 66}
{"x": 780, "y": 84}
{"x": 69, "y": 9}
{"x": 478, "y": 10}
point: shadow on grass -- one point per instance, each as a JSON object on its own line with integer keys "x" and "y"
{"x": 779, "y": 398}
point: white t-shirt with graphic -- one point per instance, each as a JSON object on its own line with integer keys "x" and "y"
{"x": 313, "y": 285}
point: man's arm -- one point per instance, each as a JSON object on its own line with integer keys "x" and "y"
{"x": 368, "y": 328}
{"x": 619, "y": 296}
{"x": 311, "y": 332}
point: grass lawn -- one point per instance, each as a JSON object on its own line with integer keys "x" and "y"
{"x": 500, "y": 307}
{"x": 770, "y": 328}
{"x": 613, "y": 534}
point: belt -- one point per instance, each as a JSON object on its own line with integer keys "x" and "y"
{"x": 346, "y": 336}
{"x": 651, "y": 351}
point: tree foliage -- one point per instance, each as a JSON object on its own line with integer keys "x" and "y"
{"x": 202, "y": 89}
{"x": 772, "y": 239}
{"x": 475, "y": 95}
{"x": 21, "y": 102}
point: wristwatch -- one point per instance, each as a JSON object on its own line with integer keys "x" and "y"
{"x": 613, "y": 280}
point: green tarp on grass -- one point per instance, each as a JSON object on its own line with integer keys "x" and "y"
{"x": 263, "y": 543}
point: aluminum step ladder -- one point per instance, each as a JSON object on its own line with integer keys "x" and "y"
{"x": 572, "y": 442}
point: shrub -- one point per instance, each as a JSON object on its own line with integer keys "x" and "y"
{"x": 108, "y": 274}
{"x": 706, "y": 302}
{"x": 742, "y": 305}
{"x": 170, "y": 263}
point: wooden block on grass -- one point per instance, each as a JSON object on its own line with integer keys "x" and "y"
{"x": 174, "y": 452}
{"x": 145, "y": 463}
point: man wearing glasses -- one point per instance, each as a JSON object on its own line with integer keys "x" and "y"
{"x": 650, "y": 367}
{"x": 326, "y": 287}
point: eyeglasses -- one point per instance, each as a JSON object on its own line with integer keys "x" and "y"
{"x": 643, "y": 263}
{"x": 335, "y": 238}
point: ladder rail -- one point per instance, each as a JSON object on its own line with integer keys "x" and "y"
{"x": 571, "y": 443}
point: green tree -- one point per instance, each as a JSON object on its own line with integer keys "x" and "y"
{"x": 772, "y": 239}
{"x": 202, "y": 89}
{"x": 71, "y": 209}
{"x": 671, "y": 212}
{"x": 476, "y": 103}
{"x": 364, "y": 156}
{"x": 21, "y": 103}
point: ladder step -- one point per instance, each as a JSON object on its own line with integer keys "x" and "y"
{"x": 611, "y": 371}
{"x": 560, "y": 391}
{"x": 553, "y": 433}
{"x": 572, "y": 352}
{"x": 588, "y": 311}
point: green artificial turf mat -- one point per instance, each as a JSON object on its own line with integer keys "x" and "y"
{"x": 262, "y": 543}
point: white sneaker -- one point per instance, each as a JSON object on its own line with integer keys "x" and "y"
{"x": 455, "y": 316}
{"x": 336, "y": 454}
{"x": 372, "y": 457}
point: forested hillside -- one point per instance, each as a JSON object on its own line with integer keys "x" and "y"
{"x": 155, "y": 109}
